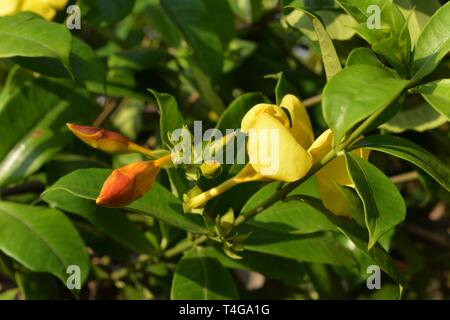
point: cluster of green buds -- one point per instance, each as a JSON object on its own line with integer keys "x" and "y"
{"x": 232, "y": 244}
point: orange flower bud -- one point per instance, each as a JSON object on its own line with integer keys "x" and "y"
{"x": 128, "y": 183}
{"x": 102, "y": 139}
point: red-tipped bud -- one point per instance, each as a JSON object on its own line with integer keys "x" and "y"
{"x": 102, "y": 139}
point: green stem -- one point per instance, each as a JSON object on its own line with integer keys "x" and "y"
{"x": 184, "y": 245}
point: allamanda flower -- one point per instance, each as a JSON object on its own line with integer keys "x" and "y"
{"x": 295, "y": 152}
{"x": 45, "y": 8}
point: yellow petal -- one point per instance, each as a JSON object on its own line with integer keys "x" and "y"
{"x": 9, "y": 7}
{"x": 58, "y": 4}
{"x": 41, "y": 7}
{"x": 274, "y": 152}
{"x": 301, "y": 124}
{"x": 321, "y": 146}
{"x": 250, "y": 117}
{"x": 333, "y": 198}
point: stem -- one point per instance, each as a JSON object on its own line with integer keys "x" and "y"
{"x": 405, "y": 177}
{"x": 283, "y": 192}
{"x": 183, "y": 246}
{"x": 312, "y": 101}
{"x": 360, "y": 130}
{"x": 155, "y": 154}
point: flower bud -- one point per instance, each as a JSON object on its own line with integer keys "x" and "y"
{"x": 211, "y": 169}
{"x": 128, "y": 184}
{"x": 101, "y": 139}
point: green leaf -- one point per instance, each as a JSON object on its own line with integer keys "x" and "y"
{"x": 111, "y": 221}
{"x": 83, "y": 59}
{"x": 283, "y": 86}
{"x": 418, "y": 116}
{"x": 160, "y": 22}
{"x": 359, "y": 237}
{"x": 320, "y": 248}
{"x": 384, "y": 206}
{"x": 199, "y": 277}
{"x": 337, "y": 24}
{"x": 171, "y": 119}
{"x": 32, "y": 124}
{"x": 357, "y": 92}
{"x": 329, "y": 56}
{"x": 437, "y": 94}
{"x": 208, "y": 27}
{"x": 42, "y": 239}
{"x": 104, "y": 13}
{"x": 433, "y": 44}
{"x": 391, "y": 40}
{"x": 158, "y": 202}
{"x": 27, "y": 35}
{"x": 409, "y": 151}
{"x": 37, "y": 286}
{"x": 417, "y": 13}
{"x": 363, "y": 56}
{"x": 292, "y": 271}
{"x": 232, "y": 117}
{"x": 289, "y": 217}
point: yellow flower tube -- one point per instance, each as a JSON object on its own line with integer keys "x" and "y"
{"x": 333, "y": 175}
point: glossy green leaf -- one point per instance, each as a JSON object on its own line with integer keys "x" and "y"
{"x": 113, "y": 222}
{"x": 208, "y": 27}
{"x": 409, "y": 151}
{"x": 158, "y": 202}
{"x": 363, "y": 56}
{"x": 437, "y": 94}
{"x": 32, "y": 124}
{"x": 337, "y": 24}
{"x": 103, "y": 12}
{"x": 419, "y": 117}
{"x": 292, "y": 271}
{"x": 433, "y": 44}
{"x": 83, "y": 59}
{"x": 357, "y": 92}
{"x": 283, "y": 86}
{"x": 384, "y": 206}
{"x": 37, "y": 286}
{"x": 417, "y": 13}
{"x": 27, "y": 35}
{"x": 359, "y": 237}
{"x": 290, "y": 217}
{"x": 42, "y": 239}
{"x": 317, "y": 247}
{"x": 199, "y": 277}
{"x": 232, "y": 117}
{"x": 329, "y": 56}
{"x": 391, "y": 40}
{"x": 161, "y": 23}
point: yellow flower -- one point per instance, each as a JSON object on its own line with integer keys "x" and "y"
{"x": 45, "y": 8}
{"x": 129, "y": 183}
{"x": 333, "y": 175}
{"x": 293, "y": 149}
{"x": 278, "y": 139}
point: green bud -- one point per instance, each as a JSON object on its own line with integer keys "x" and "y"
{"x": 211, "y": 169}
